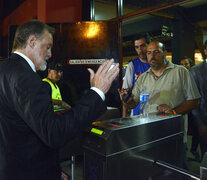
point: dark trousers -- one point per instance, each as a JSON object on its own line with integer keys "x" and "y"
{"x": 203, "y": 145}
{"x": 194, "y": 132}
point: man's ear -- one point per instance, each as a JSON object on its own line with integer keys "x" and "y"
{"x": 32, "y": 41}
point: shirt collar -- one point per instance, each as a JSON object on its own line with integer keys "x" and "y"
{"x": 169, "y": 66}
{"x": 31, "y": 64}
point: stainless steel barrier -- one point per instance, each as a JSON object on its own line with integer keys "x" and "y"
{"x": 116, "y": 149}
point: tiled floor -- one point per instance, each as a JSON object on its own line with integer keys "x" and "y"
{"x": 194, "y": 166}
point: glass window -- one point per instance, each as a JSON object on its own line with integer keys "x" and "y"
{"x": 134, "y": 5}
{"x": 105, "y": 9}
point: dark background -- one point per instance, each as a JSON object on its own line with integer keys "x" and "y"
{"x": 71, "y": 42}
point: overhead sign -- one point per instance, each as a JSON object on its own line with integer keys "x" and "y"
{"x": 166, "y": 31}
{"x": 85, "y": 61}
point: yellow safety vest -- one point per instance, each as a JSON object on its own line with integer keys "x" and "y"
{"x": 56, "y": 95}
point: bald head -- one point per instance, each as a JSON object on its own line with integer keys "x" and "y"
{"x": 158, "y": 44}
{"x": 156, "y": 54}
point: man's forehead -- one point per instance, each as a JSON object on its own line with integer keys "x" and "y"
{"x": 153, "y": 47}
{"x": 140, "y": 41}
{"x": 48, "y": 35}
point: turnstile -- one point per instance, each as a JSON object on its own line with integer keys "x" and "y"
{"x": 127, "y": 148}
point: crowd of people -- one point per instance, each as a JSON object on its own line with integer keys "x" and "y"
{"x": 32, "y": 132}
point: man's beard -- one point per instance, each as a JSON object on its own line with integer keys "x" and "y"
{"x": 43, "y": 66}
{"x": 157, "y": 65}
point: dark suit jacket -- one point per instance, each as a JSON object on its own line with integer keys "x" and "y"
{"x": 30, "y": 132}
{"x": 199, "y": 73}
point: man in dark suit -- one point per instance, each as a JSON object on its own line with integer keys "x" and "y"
{"x": 199, "y": 73}
{"x": 30, "y": 131}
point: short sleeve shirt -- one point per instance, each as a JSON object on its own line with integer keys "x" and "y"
{"x": 173, "y": 87}
{"x": 135, "y": 65}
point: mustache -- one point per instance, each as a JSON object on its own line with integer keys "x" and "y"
{"x": 153, "y": 59}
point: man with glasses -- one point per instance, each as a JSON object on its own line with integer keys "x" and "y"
{"x": 171, "y": 88}
{"x": 55, "y": 71}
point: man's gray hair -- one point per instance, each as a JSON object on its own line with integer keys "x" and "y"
{"x": 32, "y": 27}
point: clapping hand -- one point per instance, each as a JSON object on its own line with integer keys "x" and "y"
{"x": 104, "y": 77}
